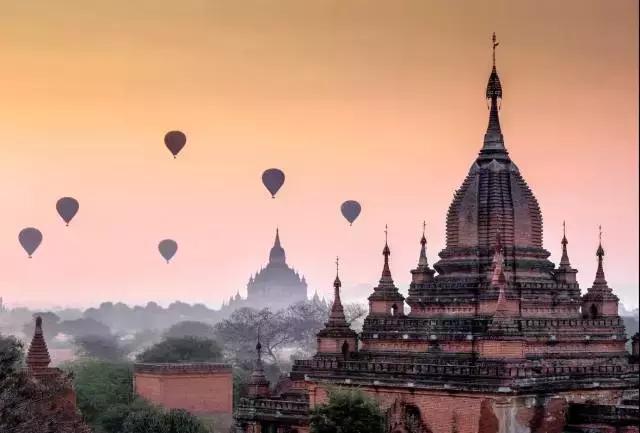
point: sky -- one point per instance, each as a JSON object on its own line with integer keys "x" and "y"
{"x": 377, "y": 101}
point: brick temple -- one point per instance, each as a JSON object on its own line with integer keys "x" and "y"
{"x": 493, "y": 339}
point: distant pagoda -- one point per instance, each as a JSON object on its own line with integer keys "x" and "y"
{"x": 275, "y": 286}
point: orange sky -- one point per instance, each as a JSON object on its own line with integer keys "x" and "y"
{"x": 378, "y": 101}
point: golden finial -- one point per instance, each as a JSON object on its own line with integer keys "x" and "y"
{"x": 495, "y": 44}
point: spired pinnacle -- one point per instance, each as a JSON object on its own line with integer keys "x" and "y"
{"x": 386, "y": 278}
{"x": 337, "y": 317}
{"x": 600, "y": 280}
{"x": 564, "y": 260}
{"x": 258, "y": 383}
{"x": 422, "y": 261}
{"x": 277, "y": 255}
{"x": 493, "y": 139}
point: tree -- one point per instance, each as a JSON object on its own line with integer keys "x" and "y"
{"x": 83, "y": 327}
{"x": 144, "y": 422}
{"x": 186, "y": 349}
{"x": 106, "y": 348}
{"x": 347, "y": 411}
{"x": 101, "y": 385}
{"x": 181, "y": 421}
{"x": 239, "y": 334}
{"x": 152, "y": 419}
{"x": 190, "y": 328}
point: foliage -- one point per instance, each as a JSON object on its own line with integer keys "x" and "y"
{"x": 101, "y": 385}
{"x": 186, "y": 349}
{"x": 347, "y": 411}
{"x": 180, "y": 421}
{"x": 122, "y": 318}
{"x": 190, "y": 328}
{"x": 106, "y": 348}
{"x": 141, "y": 417}
{"x": 83, "y": 327}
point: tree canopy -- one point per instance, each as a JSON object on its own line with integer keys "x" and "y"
{"x": 101, "y": 347}
{"x": 190, "y": 328}
{"x": 347, "y": 411}
{"x": 185, "y": 349}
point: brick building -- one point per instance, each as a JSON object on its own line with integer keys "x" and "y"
{"x": 204, "y": 389}
{"x": 496, "y": 338}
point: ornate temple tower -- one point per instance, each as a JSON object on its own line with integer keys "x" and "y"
{"x": 386, "y": 300}
{"x": 499, "y": 341}
{"x": 337, "y": 337}
{"x": 599, "y": 301}
{"x": 38, "y": 358}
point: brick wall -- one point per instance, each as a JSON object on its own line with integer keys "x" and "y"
{"x": 203, "y": 389}
{"x": 448, "y": 412}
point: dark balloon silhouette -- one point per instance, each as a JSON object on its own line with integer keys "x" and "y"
{"x": 175, "y": 141}
{"x": 167, "y": 248}
{"x": 350, "y": 210}
{"x": 67, "y": 208}
{"x": 273, "y": 179}
{"x": 30, "y": 239}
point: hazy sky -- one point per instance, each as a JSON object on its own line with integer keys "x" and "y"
{"x": 378, "y": 101}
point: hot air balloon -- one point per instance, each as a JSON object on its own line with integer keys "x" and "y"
{"x": 67, "y": 208}
{"x": 30, "y": 238}
{"x": 350, "y": 210}
{"x": 167, "y": 248}
{"x": 175, "y": 141}
{"x": 273, "y": 179}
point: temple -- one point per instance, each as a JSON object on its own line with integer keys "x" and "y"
{"x": 275, "y": 286}
{"x": 494, "y": 339}
{"x": 57, "y": 396}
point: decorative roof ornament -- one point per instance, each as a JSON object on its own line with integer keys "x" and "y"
{"x": 386, "y": 279}
{"x": 38, "y": 356}
{"x": 337, "y": 317}
{"x": 600, "y": 280}
{"x": 493, "y": 140}
{"x": 564, "y": 260}
{"x": 422, "y": 261}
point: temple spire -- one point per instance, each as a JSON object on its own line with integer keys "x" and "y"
{"x": 422, "y": 261}
{"x": 493, "y": 139}
{"x": 277, "y": 255}
{"x": 337, "y": 317}
{"x": 564, "y": 260}
{"x": 386, "y": 278}
{"x": 38, "y": 355}
{"x": 258, "y": 383}
{"x": 600, "y": 280}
